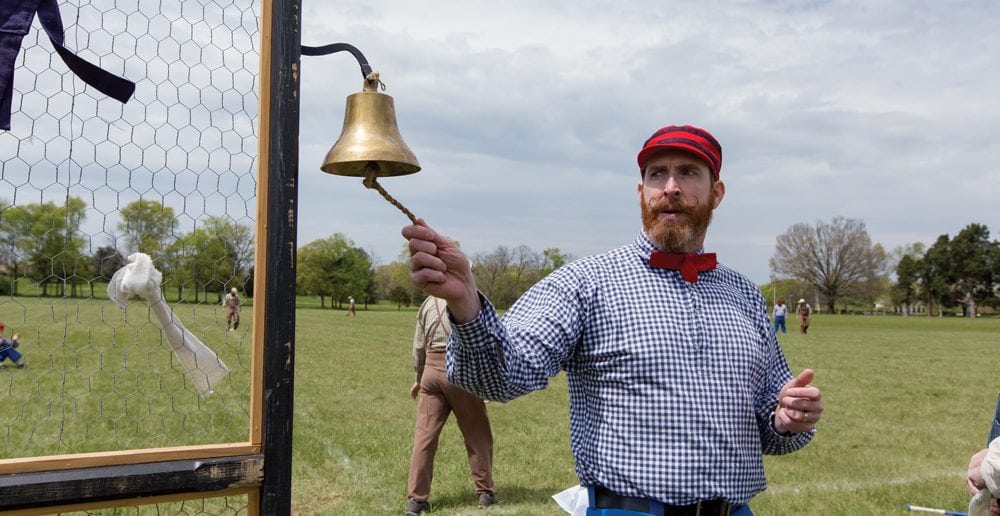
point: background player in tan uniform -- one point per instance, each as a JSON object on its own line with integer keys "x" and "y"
{"x": 437, "y": 399}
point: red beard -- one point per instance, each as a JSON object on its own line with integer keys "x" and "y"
{"x": 678, "y": 235}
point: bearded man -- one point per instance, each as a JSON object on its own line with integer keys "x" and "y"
{"x": 677, "y": 385}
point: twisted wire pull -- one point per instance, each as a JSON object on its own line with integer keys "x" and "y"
{"x": 370, "y": 182}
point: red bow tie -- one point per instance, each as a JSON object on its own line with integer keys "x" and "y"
{"x": 689, "y": 265}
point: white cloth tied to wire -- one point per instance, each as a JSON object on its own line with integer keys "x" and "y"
{"x": 140, "y": 278}
{"x": 990, "y": 469}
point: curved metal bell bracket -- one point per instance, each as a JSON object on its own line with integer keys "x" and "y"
{"x": 370, "y": 145}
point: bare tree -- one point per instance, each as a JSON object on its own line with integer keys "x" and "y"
{"x": 525, "y": 269}
{"x": 490, "y": 270}
{"x": 837, "y": 258}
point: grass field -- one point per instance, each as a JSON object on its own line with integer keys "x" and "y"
{"x": 908, "y": 400}
{"x": 99, "y": 379}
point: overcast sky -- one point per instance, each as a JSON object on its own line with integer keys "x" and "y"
{"x": 526, "y": 117}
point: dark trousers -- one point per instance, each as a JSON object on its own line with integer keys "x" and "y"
{"x": 438, "y": 399}
{"x": 10, "y": 353}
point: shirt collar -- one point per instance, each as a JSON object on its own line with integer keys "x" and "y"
{"x": 645, "y": 246}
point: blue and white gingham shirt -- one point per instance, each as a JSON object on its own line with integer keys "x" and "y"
{"x": 672, "y": 385}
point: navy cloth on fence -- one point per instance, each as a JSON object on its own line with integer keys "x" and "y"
{"x": 15, "y": 21}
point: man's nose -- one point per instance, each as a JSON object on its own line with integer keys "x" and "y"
{"x": 671, "y": 186}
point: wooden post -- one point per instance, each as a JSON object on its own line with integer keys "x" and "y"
{"x": 277, "y": 196}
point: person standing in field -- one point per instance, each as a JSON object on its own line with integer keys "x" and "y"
{"x": 233, "y": 304}
{"x": 804, "y": 312}
{"x": 437, "y": 399}
{"x": 780, "y": 311}
{"x": 677, "y": 383}
{"x": 8, "y": 349}
{"x": 351, "y": 307}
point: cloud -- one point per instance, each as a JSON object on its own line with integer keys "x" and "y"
{"x": 526, "y": 117}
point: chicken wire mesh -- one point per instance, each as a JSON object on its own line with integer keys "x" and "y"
{"x": 86, "y": 182}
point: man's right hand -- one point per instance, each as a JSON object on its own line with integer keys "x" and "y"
{"x": 439, "y": 268}
{"x": 415, "y": 390}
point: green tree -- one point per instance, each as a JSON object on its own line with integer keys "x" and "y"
{"x": 356, "y": 276}
{"x": 906, "y": 290}
{"x": 393, "y": 283}
{"x": 15, "y": 225}
{"x": 994, "y": 300}
{"x": 874, "y": 293}
{"x": 53, "y": 245}
{"x": 937, "y": 275}
{"x": 212, "y": 258}
{"x": 147, "y": 226}
{"x": 209, "y": 266}
{"x": 837, "y": 258}
{"x": 400, "y": 295}
{"x": 178, "y": 264}
{"x": 332, "y": 267}
{"x": 974, "y": 271}
{"x": 237, "y": 244}
{"x": 908, "y": 262}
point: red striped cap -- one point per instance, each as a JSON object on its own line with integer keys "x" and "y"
{"x": 688, "y": 138}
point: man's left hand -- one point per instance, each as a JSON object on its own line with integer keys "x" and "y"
{"x": 415, "y": 390}
{"x": 799, "y": 405}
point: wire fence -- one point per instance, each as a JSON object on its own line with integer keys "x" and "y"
{"x": 86, "y": 182}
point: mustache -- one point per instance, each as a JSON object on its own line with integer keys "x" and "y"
{"x": 677, "y": 205}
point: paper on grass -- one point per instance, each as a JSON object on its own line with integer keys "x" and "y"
{"x": 574, "y": 500}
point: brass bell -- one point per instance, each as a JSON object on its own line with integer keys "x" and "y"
{"x": 370, "y": 139}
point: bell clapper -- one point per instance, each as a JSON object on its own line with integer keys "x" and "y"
{"x": 371, "y": 172}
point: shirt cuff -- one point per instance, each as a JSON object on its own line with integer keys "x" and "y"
{"x": 778, "y": 435}
{"x": 478, "y": 332}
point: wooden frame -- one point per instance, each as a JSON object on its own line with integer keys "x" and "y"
{"x": 42, "y": 485}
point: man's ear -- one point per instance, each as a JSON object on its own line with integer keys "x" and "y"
{"x": 719, "y": 188}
